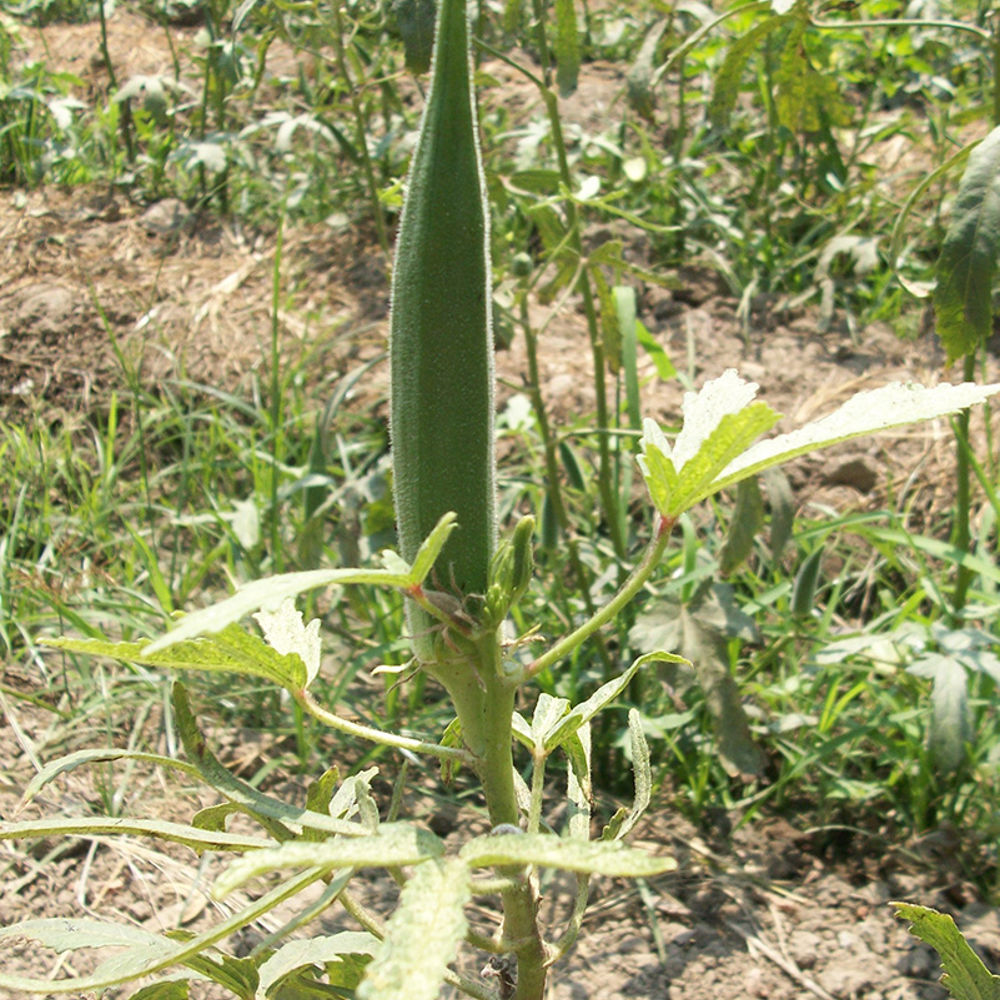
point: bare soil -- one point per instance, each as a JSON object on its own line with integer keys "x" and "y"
{"x": 92, "y": 281}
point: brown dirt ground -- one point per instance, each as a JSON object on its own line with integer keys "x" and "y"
{"x": 760, "y": 914}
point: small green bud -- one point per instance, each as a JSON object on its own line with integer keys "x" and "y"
{"x": 510, "y": 571}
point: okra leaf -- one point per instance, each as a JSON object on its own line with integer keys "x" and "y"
{"x": 270, "y": 592}
{"x": 549, "y": 712}
{"x": 273, "y": 814}
{"x": 578, "y": 784}
{"x": 81, "y": 758}
{"x": 565, "y": 726}
{"x": 965, "y": 977}
{"x": 320, "y": 950}
{"x": 165, "y": 989}
{"x": 100, "y": 826}
{"x": 522, "y": 730}
{"x": 394, "y": 844}
{"x": 232, "y": 650}
{"x": 143, "y": 953}
{"x": 643, "y": 774}
{"x": 567, "y": 853}
{"x": 714, "y": 427}
{"x": 409, "y": 965}
{"x": 963, "y": 296}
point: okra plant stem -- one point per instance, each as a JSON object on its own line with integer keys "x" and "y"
{"x": 628, "y": 590}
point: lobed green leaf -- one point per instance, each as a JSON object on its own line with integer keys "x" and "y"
{"x": 233, "y": 650}
{"x": 422, "y": 935}
{"x": 965, "y": 978}
{"x": 569, "y": 854}
{"x": 393, "y": 845}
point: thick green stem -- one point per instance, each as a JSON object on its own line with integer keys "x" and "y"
{"x": 484, "y": 700}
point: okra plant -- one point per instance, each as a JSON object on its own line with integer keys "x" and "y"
{"x": 460, "y": 581}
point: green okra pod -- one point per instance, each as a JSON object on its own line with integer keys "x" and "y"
{"x": 441, "y": 343}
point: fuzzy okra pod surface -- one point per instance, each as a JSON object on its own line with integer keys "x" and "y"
{"x": 441, "y": 343}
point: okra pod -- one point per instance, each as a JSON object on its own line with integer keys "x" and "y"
{"x": 441, "y": 342}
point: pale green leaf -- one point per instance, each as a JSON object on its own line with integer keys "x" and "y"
{"x": 269, "y": 593}
{"x": 395, "y": 844}
{"x": 547, "y": 715}
{"x": 95, "y": 826}
{"x": 892, "y": 405}
{"x": 642, "y": 772}
{"x": 232, "y": 651}
{"x": 311, "y": 951}
{"x": 733, "y": 435}
{"x": 422, "y": 935}
{"x": 674, "y": 489}
{"x": 703, "y": 411}
{"x": 664, "y": 366}
{"x": 963, "y": 297}
{"x": 81, "y": 758}
{"x": 578, "y": 784}
{"x": 522, "y": 731}
{"x": 965, "y": 978}
{"x": 143, "y": 956}
{"x": 430, "y": 549}
{"x": 569, "y": 854}
{"x": 603, "y": 696}
{"x": 285, "y": 632}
